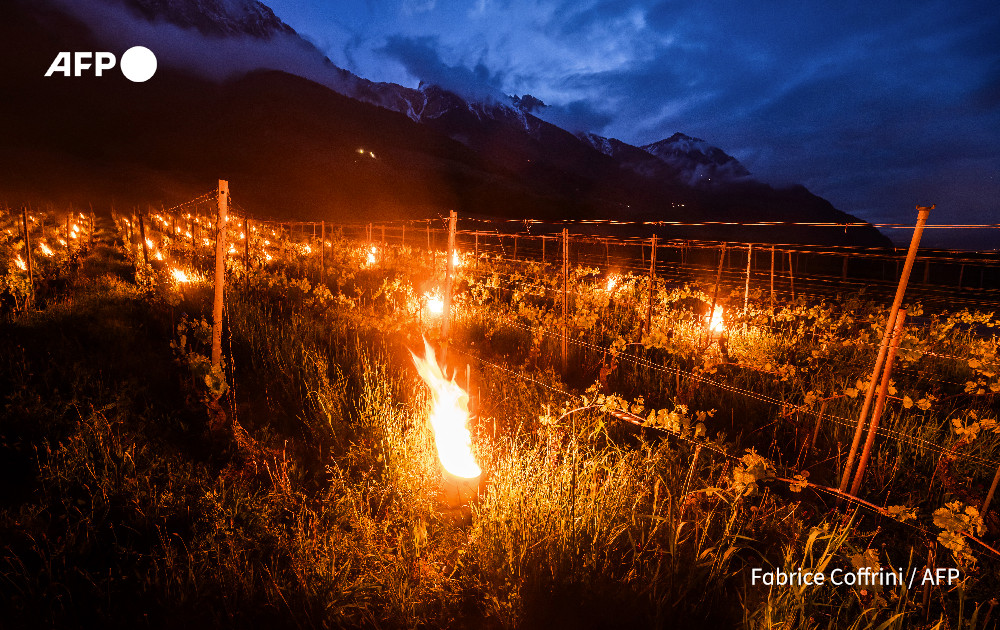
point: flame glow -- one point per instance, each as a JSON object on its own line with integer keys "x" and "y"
{"x": 372, "y": 255}
{"x": 20, "y": 263}
{"x": 716, "y": 324}
{"x": 449, "y": 417}
{"x": 613, "y": 282}
{"x": 159, "y": 256}
{"x": 45, "y": 249}
{"x": 434, "y": 302}
{"x": 180, "y": 276}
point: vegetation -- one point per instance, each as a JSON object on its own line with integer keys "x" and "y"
{"x": 299, "y": 485}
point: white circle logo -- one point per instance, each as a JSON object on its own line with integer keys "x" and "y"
{"x": 138, "y": 64}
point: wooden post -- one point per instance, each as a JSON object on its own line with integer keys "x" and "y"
{"x": 880, "y": 403}
{"x": 543, "y": 251}
{"x": 772, "y": 278}
{"x": 477, "y": 249}
{"x": 246, "y": 248}
{"x": 448, "y": 279}
{"x": 402, "y": 238}
{"x": 791, "y": 274}
{"x": 565, "y": 296}
{"x": 652, "y": 283}
{"x": 989, "y": 495}
{"x": 843, "y": 269}
{"x": 383, "y": 241}
{"x": 220, "y": 271}
{"x": 961, "y": 275}
{"x": 911, "y": 255}
{"x": 27, "y": 256}
{"x": 142, "y": 236}
{"x": 746, "y": 292}
{"x": 322, "y": 251}
{"x": 927, "y": 269}
{"x": 69, "y": 241}
{"x": 428, "y": 235}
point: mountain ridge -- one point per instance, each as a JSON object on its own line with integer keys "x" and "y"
{"x": 491, "y": 156}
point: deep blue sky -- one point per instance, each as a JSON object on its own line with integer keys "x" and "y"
{"x": 876, "y": 106}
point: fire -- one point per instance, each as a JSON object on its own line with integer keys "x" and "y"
{"x": 180, "y": 276}
{"x": 372, "y": 255}
{"x": 45, "y": 249}
{"x": 159, "y": 256}
{"x": 716, "y": 324}
{"x": 455, "y": 260}
{"x": 20, "y": 263}
{"x": 149, "y": 243}
{"x": 613, "y": 282}
{"x": 449, "y": 417}
{"x": 434, "y": 302}
{"x": 306, "y": 249}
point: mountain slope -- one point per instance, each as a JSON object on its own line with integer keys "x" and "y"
{"x": 290, "y": 146}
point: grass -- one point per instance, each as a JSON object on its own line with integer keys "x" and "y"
{"x": 316, "y": 501}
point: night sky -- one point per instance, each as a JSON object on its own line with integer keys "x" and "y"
{"x": 876, "y": 106}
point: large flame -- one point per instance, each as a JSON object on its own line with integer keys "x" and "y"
{"x": 434, "y": 302}
{"x": 449, "y": 417}
{"x": 716, "y": 324}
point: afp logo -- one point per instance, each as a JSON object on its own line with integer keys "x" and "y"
{"x": 138, "y": 64}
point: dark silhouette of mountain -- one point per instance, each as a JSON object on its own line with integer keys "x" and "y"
{"x": 296, "y": 148}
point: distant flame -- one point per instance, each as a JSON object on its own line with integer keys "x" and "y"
{"x": 45, "y": 249}
{"x": 149, "y": 243}
{"x": 716, "y": 324}
{"x": 159, "y": 256}
{"x": 449, "y": 417}
{"x": 455, "y": 260}
{"x": 372, "y": 255}
{"x": 20, "y": 263}
{"x": 613, "y": 282}
{"x": 434, "y": 302}
{"x": 180, "y": 276}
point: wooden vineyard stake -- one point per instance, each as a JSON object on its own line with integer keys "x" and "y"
{"x": 246, "y": 248}
{"x": 69, "y": 241}
{"x": 911, "y": 255}
{"x": 652, "y": 284}
{"x": 220, "y": 272}
{"x": 927, "y": 270}
{"x": 746, "y": 292}
{"x": 142, "y": 236}
{"x": 27, "y": 256}
{"x": 543, "y": 251}
{"x": 515, "y": 247}
{"x": 428, "y": 235}
{"x": 477, "y": 249}
{"x": 989, "y": 495}
{"x": 448, "y": 280}
{"x": 843, "y": 269}
{"x": 791, "y": 275}
{"x": 879, "y": 403}
{"x": 772, "y": 279}
{"x": 402, "y": 236}
{"x": 565, "y": 296}
{"x": 322, "y": 250}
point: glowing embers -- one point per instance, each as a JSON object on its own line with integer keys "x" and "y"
{"x": 449, "y": 417}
